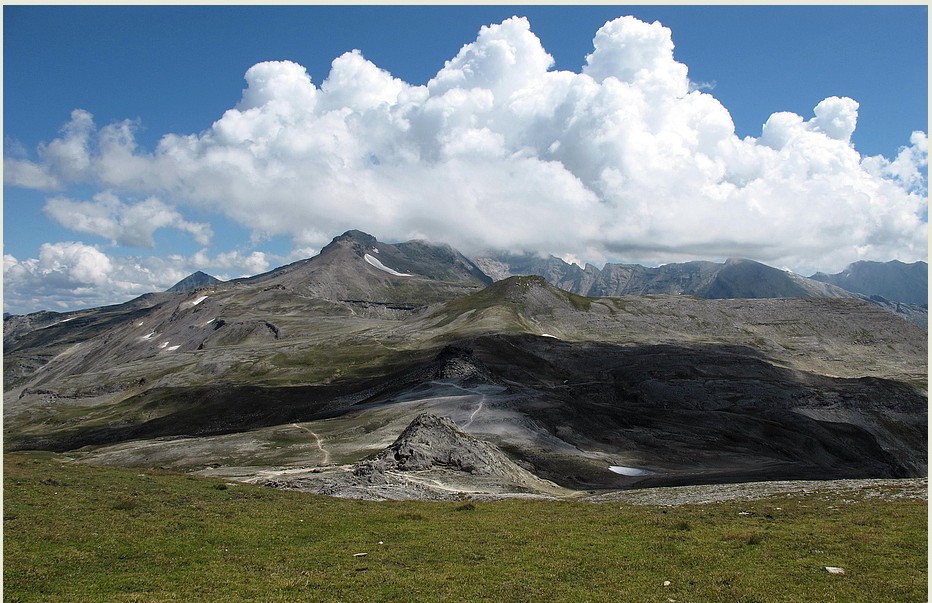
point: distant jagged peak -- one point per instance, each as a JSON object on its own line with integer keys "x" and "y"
{"x": 894, "y": 280}
{"x": 194, "y": 281}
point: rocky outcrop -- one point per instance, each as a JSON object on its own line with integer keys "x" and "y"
{"x": 432, "y": 442}
{"x": 459, "y": 364}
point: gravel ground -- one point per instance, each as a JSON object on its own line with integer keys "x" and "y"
{"x": 685, "y": 495}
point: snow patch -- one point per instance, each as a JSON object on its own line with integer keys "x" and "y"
{"x": 163, "y": 345}
{"x": 172, "y": 348}
{"x": 629, "y": 471}
{"x": 148, "y": 337}
{"x": 58, "y": 322}
{"x": 374, "y": 262}
{"x": 140, "y": 323}
{"x": 199, "y": 300}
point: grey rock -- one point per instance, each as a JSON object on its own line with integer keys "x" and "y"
{"x": 432, "y": 442}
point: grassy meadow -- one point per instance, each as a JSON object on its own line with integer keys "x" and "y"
{"x": 79, "y": 533}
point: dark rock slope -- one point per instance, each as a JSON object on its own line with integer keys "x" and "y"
{"x": 708, "y": 413}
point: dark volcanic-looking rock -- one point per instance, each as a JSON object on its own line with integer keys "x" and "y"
{"x": 894, "y": 281}
{"x": 459, "y": 364}
{"x": 705, "y": 413}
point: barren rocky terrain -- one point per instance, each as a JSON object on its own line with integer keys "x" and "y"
{"x": 306, "y": 376}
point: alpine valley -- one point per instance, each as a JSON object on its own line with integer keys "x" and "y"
{"x": 407, "y": 370}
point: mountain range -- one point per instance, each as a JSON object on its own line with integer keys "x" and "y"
{"x": 575, "y": 381}
{"x": 893, "y": 280}
{"x": 897, "y": 287}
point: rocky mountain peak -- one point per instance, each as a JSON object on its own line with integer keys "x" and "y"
{"x": 357, "y": 240}
{"x": 194, "y": 281}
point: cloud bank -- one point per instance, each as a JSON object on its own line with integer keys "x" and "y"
{"x": 70, "y": 275}
{"x": 626, "y": 160}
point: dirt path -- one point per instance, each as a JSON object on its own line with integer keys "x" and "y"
{"x": 320, "y": 444}
{"x": 470, "y": 392}
{"x": 474, "y": 413}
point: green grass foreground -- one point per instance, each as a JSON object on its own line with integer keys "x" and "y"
{"x": 79, "y": 533}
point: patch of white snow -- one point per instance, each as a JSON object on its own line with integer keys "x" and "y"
{"x": 58, "y": 323}
{"x": 629, "y": 471}
{"x": 163, "y": 345}
{"x": 199, "y": 300}
{"x": 173, "y": 348}
{"x": 149, "y": 336}
{"x": 376, "y": 263}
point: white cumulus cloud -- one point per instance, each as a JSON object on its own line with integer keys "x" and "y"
{"x": 128, "y": 224}
{"x": 69, "y": 275}
{"x": 626, "y": 160}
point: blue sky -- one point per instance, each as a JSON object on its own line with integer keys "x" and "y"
{"x": 177, "y": 70}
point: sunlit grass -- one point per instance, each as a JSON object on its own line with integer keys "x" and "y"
{"x": 79, "y": 533}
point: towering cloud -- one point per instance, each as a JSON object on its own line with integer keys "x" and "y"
{"x": 625, "y": 160}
